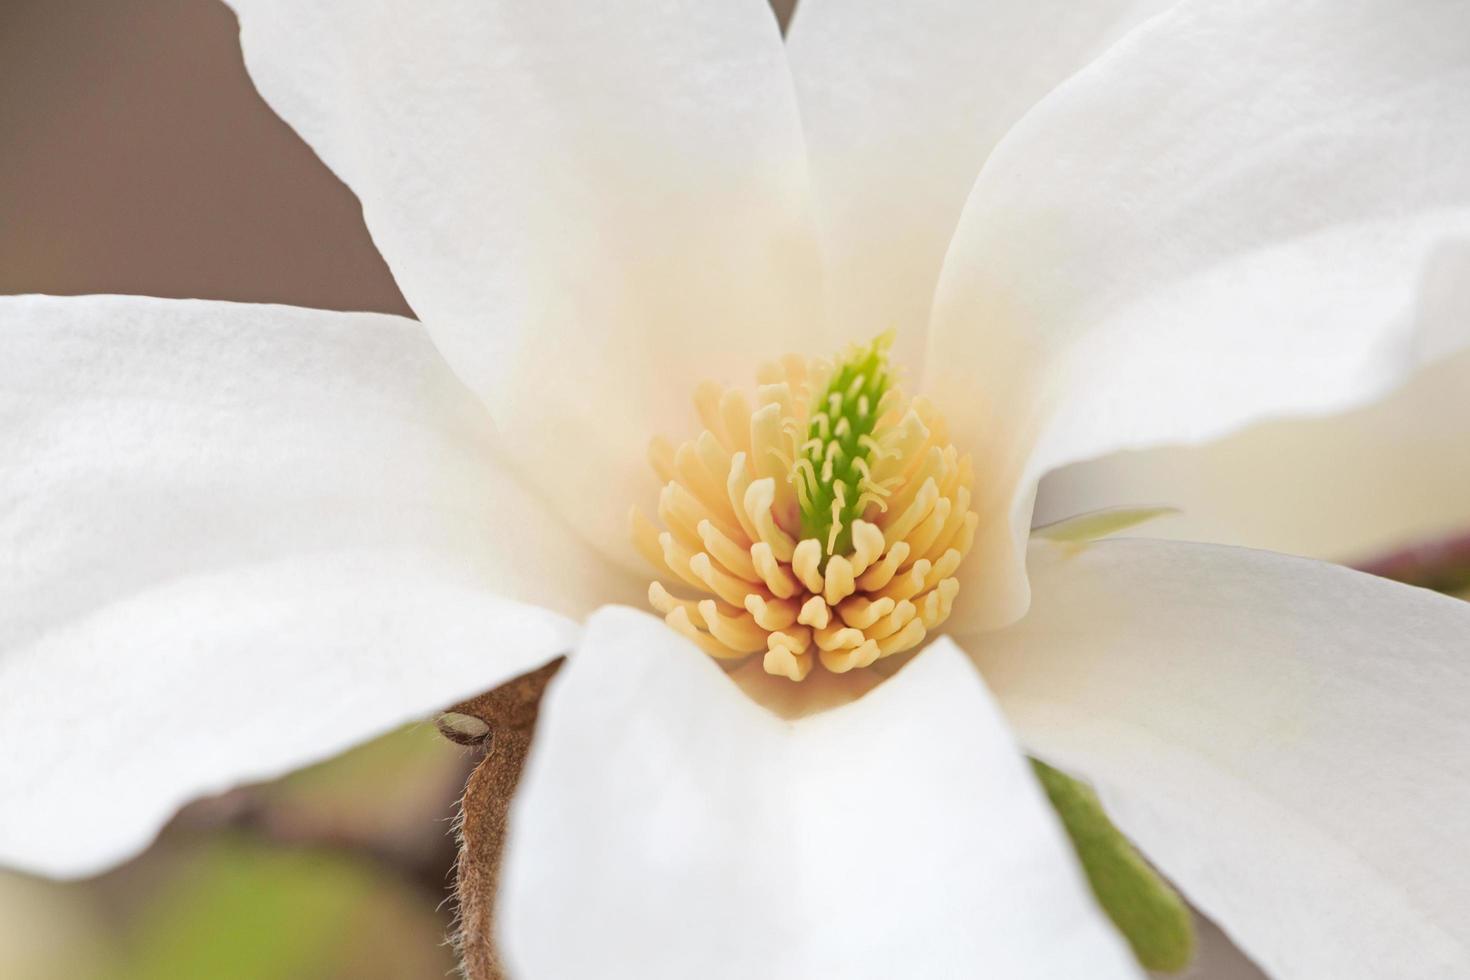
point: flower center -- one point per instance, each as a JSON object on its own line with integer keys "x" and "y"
{"x": 821, "y": 522}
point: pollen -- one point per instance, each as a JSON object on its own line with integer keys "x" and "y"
{"x": 819, "y": 520}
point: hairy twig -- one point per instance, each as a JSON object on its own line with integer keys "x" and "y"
{"x": 501, "y": 723}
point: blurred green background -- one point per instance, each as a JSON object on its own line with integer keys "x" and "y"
{"x": 345, "y": 879}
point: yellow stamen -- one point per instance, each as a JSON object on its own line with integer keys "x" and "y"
{"x": 834, "y": 449}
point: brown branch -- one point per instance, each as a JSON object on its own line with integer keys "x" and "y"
{"x": 501, "y": 721}
{"x": 1441, "y": 564}
{"x": 482, "y": 830}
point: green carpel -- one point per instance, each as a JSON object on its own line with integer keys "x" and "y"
{"x": 837, "y": 456}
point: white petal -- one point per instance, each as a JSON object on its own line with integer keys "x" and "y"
{"x": 1287, "y": 740}
{"x": 667, "y": 826}
{"x": 591, "y": 208}
{"x": 1346, "y": 486}
{"x": 235, "y": 539}
{"x": 1241, "y": 210}
{"x": 901, "y": 104}
{"x": 147, "y": 439}
{"x": 113, "y": 721}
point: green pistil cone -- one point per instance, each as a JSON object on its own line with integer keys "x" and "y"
{"x": 1149, "y": 913}
{"x": 843, "y": 415}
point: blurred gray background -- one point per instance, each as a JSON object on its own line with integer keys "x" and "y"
{"x": 138, "y": 159}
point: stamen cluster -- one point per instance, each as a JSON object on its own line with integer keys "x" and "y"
{"x": 822, "y": 522}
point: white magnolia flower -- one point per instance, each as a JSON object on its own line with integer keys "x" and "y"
{"x": 239, "y": 538}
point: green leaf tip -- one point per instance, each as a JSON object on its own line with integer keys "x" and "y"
{"x": 1145, "y": 909}
{"x": 1083, "y": 528}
